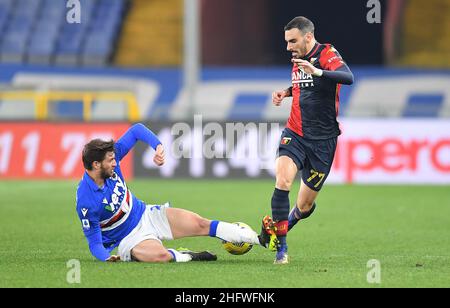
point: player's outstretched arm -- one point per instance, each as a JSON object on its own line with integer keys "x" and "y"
{"x": 137, "y": 132}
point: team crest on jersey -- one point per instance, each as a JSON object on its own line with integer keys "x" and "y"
{"x": 286, "y": 140}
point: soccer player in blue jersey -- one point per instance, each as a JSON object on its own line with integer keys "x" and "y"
{"x": 309, "y": 140}
{"x": 111, "y": 216}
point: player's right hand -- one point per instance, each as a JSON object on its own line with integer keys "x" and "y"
{"x": 277, "y": 97}
{"x": 113, "y": 258}
{"x": 158, "y": 159}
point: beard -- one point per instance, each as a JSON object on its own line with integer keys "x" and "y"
{"x": 105, "y": 174}
{"x": 303, "y": 51}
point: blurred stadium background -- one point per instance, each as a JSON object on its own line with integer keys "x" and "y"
{"x": 161, "y": 62}
{"x": 126, "y": 61}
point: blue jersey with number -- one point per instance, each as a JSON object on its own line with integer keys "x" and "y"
{"x": 110, "y": 213}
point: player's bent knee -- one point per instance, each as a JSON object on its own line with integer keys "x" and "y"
{"x": 161, "y": 257}
{"x": 203, "y": 225}
{"x": 164, "y": 257}
{"x": 283, "y": 184}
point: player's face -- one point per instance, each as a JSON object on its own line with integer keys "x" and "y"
{"x": 108, "y": 165}
{"x": 296, "y": 42}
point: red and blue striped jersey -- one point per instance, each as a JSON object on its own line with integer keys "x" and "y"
{"x": 315, "y": 103}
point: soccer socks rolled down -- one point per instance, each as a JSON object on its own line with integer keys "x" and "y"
{"x": 178, "y": 256}
{"x": 280, "y": 214}
{"x": 233, "y": 233}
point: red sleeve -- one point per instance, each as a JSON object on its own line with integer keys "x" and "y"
{"x": 330, "y": 59}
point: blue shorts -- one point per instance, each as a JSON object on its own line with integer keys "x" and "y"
{"x": 313, "y": 157}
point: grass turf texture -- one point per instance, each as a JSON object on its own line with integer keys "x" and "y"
{"x": 406, "y": 228}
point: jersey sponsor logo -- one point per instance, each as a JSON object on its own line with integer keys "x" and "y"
{"x": 84, "y": 211}
{"x": 85, "y": 223}
{"x": 302, "y": 79}
{"x": 118, "y": 196}
{"x": 121, "y": 201}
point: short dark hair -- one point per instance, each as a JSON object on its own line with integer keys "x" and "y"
{"x": 302, "y": 23}
{"x": 96, "y": 150}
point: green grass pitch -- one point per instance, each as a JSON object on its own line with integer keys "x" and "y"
{"x": 406, "y": 228}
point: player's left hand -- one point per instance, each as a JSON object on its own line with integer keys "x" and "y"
{"x": 307, "y": 67}
{"x": 113, "y": 258}
{"x": 158, "y": 159}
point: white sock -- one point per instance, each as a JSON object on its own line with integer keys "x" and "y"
{"x": 235, "y": 234}
{"x": 178, "y": 256}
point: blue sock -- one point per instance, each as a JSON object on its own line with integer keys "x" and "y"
{"x": 213, "y": 228}
{"x": 283, "y": 243}
{"x": 280, "y": 205}
{"x": 280, "y": 214}
{"x": 295, "y": 212}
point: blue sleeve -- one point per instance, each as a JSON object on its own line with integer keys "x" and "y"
{"x": 342, "y": 75}
{"x": 96, "y": 245}
{"x": 91, "y": 228}
{"x": 137, "y": 132}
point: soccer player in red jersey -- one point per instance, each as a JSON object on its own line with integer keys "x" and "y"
{"x": 308, "y": 142}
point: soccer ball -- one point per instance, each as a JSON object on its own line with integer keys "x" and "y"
{"x": 238, "y": 248}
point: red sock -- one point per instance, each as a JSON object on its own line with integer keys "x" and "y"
{"x": 282, "y": 227}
